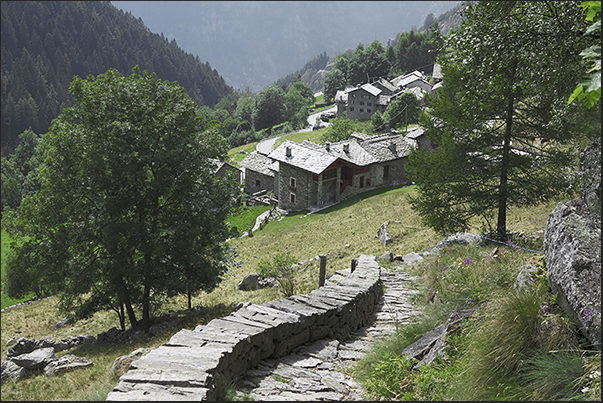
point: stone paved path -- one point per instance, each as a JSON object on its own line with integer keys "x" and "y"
{"x": 318, "y": 371}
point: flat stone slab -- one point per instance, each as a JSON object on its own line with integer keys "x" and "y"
{"x": 137, "y": 392}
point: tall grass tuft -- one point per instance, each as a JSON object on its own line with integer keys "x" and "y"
{"x": 500, "y": 344}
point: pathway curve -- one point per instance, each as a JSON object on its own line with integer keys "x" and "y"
{"x": 319, "y": 371}
{"x": 265, "y": 146}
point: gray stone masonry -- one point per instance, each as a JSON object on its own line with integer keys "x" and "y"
{"x": 194, "y": 363}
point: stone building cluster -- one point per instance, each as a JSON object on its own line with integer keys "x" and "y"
{"x": 362, "y": 101}
{"x": 310, "y": 176}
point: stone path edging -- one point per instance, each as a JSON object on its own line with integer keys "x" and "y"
{"x": 319, "y": 371}
{"x": 194, "y": 363}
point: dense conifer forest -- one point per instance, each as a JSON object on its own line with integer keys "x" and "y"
{"x": 46, "y": 43}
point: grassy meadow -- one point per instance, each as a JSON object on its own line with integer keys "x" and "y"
{"x": 342, "y": 232}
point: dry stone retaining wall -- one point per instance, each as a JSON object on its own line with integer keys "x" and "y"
{"x": 194, "y": 363}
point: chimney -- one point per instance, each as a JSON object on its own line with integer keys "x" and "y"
{"x": 346, "y": 148}
{"x": 392, "y": 147}
{"x": 328, "y": 145}
{"x": 288, "y": 151}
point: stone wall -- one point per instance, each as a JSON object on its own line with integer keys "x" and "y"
{"x": 195, "y": 363}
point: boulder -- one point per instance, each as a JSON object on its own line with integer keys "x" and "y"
{"x": 36, "y": 359}
{"x": 22, "y": 346}
{"x": 11, "y": 371}
{"x": 382, "y": 234}
{"x": 66, "y": 363}
{"x": 433, "y": 344}
{"x": 388, "y": 256}
{"x": 249, "y": 282}
{"x": 572, "y": 247}
{"x": 122, "y": 364}
{"x": 462, "y": 238}
{"x": 412, "y": 258}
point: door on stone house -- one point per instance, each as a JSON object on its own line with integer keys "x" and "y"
{"x": 346, "y": 178}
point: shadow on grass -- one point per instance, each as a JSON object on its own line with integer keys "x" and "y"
{"x": 361, "y": 196}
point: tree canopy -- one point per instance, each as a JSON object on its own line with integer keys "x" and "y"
{"x": 500, "y": 120}
{"x": 129, "y": 210}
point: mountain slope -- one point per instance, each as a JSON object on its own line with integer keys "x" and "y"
{"x": 252, "y": 43}
{"x": 45, "y": 44}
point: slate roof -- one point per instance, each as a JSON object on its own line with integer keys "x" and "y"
{"x": 416, "y": 133}
{"x": 217, "y": 164}
{"x": 258, "y": 162}
{"x": 380, "y": 147}
{"x": 386, "y": 84}
{"x": 306, "y": 158}
{"x": 315, "y": 158}
{"x": 404, "y": 80}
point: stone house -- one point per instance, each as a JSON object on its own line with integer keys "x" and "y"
{"x": 220, "y": 168}
{"x": 258, "y": 173}
{"x": 361, "y": 102}
{"x": 419, "y": 139}
{"x": 311, "y": 176}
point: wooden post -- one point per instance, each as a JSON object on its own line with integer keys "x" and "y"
{"x": 353, "y": 267}
{"x": 323, "y": 270}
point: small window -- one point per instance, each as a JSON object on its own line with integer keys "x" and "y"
{"x": 257, "y": 183}
{"x": 368, "y": 110}
{"x": 352, "y": 108}
{"x": 361, "y": 182}
{"x": 293, "y": 198}
{"x": 386, "y": 172}
{"x": 292, "y": 182}
{"x": 361, "y": 102}
{"x": 369, "y": 103}
{"x": 361, "y": 109}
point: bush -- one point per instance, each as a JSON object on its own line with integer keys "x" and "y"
{"x": 283, "y": 269}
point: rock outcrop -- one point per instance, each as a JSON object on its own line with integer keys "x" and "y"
{"x": 572, "y": 247}
{"x": 30, "y": 356}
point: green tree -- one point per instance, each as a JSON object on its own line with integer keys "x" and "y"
{"x": 376, "y": 62}
{"x": 357, "y": 73}
{"x": 500, "y": 119}
{"x": 12, "y": 180}
{"x": 128, "y": 210}
{"x": 403, "y": 110}
{"x": 377, "y": 121}
{"x": 298, "y": 100}
{"x": 334, "y": 81}
{"x": 282, "y": 268}
{"x": 269, "y": 107}
{"x": 342, "y": 63}
{"x": 589, "y": 89}
{"x": 340, "y": 129}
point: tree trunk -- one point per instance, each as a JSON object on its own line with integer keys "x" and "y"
{"x": 131, "y": 314}
{"x": 122, "y": 317}
{"x": 189, "y": 300}
{"x": 146, "y": 315}
{"x": 501, "y": 226}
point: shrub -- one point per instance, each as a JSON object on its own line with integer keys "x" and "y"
{"x": 283, "y": 269}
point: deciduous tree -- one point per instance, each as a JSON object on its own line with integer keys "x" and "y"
{"x": 129, "y": 210}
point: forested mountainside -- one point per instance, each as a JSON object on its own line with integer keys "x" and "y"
{"x": 46, "y": 43}
{"x": 313, "y": 72}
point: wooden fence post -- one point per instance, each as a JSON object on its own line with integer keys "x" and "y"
{"x": 323, "y": 270}
{"x": 353, "y": 267}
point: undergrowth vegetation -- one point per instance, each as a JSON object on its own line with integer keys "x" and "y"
{"x": 518, "y": 344}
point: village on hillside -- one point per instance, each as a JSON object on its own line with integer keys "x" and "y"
{"x": 310, "y": 176}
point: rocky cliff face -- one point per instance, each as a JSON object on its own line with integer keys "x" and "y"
{"x": 572, "y": 246}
